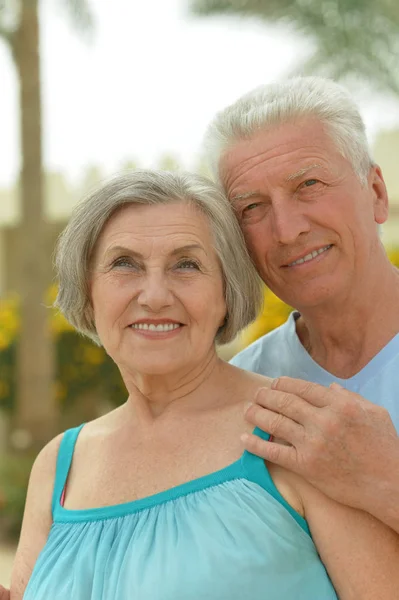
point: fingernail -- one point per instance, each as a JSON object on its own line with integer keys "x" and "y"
{"x": 260, "y": 391}
{"x": 247, "y": 406}
{"x": 336, "y": 386}
{"x": 275, "y": 383}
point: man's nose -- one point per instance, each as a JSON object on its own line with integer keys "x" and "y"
{"x": 289, "y": 221}
{"x": 155, "y": 293}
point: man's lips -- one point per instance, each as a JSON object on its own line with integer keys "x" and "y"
{"x": 307, "y": 256}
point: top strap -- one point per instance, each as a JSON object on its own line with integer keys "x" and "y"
{"x": 64, "y": 461}
{"x": 256, "y": 470}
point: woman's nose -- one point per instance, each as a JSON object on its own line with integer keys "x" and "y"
{"x": 155, "y": 293}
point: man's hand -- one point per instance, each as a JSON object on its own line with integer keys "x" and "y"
{"x": 4, "y": 594}
{"x": 344, "y": 445}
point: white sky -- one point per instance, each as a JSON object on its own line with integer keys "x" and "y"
{"x": 148, "y": 83}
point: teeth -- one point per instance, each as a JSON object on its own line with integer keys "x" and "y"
{"x": 309, "y": 256}
{"x": 152, "y": 327}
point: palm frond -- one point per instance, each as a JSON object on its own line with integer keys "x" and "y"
{"x": 350, "y": 37}
{"x": 80, "y": 14}
{"x": 243, "y": 7}
{"x": 9, "y": 18}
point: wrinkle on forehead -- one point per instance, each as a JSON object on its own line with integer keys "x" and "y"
{"x": 143, "y": 235}
{"x": 249, "y": 177}
{"x": 280, "y": 150}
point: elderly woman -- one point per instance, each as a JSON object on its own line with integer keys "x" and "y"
{"x": 156, "y": 500}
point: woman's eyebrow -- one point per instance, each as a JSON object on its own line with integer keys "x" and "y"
{"x": 186, "y": 248}
{"x": 122, "y": 250}
{"x": 138, "y": 255}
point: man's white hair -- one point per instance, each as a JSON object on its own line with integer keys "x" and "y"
{"x": 275, "y": 104}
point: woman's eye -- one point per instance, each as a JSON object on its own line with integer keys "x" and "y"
{"x": 124, "y": 261}
{"x": 188, "y": 265}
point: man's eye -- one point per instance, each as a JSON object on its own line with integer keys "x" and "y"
{"x": 250, "y": 207}
{"x": 310, "y": 182}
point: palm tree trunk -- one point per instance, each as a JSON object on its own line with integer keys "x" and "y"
{"x": 35, "y": 408}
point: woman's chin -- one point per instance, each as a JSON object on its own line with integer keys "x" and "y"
{"x": 163, "y": 367}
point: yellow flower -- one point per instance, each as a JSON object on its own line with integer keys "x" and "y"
{"x": 93, "y": 355}
{"x": 274, "y": 313}
{"x": 9, "y": 320}
{"x": 4, "y": 389}
{"x": 60, "y": 391}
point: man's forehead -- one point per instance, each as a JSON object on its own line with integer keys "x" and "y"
{"x": 276, "y": 140}
{"x": 291, "y": 176}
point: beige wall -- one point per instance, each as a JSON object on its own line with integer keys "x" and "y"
{"x": 386, "y": 154}
{"x": 61, "y": 197}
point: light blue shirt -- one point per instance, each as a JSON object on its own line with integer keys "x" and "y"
{"x": 226, "y": 536}
{"x": 281, "y": 353}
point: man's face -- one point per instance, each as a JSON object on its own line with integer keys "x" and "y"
{"x": 309, "y": 224}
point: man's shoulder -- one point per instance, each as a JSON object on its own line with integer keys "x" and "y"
{"x": 264, "y": 355}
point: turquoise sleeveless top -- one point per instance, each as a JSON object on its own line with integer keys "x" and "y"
{"x": 229, "y": 535}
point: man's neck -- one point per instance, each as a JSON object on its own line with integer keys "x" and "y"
{"x": 343, "y": 339}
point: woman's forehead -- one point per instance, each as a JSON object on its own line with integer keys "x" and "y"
{"x": 161, "y": 225}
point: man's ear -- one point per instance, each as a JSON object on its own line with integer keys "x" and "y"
{"x": 379, "y": 194}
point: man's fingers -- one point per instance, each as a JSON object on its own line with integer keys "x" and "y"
{"x": 274, "y": 423}
{"x": 285, "y": 456}
{"x": 284, "y": 403}
{"x": 4, "y": 594}
{"x": 313, "y": 393}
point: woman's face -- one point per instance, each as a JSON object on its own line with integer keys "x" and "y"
{"x": 157, "y": 288}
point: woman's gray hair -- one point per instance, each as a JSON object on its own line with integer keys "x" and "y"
{"x": 242, "y": 285}
{"x": 275, "y": 104}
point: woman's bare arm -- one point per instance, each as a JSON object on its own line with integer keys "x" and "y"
{"x": 37, "y": 519}
{"x": 360, "y": 553}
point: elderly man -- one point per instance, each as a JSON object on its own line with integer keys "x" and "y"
{"x": 294, "y": 161}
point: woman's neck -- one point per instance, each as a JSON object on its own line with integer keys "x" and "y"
{"x": 151, "y": 395}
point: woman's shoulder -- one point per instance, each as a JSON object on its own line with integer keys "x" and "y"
{"x": 100, "y": 428}
{"x": 248, "y": 379}
{"x": 45, "y": 462}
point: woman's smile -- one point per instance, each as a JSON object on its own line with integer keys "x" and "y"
{"x": 157, "y": 329}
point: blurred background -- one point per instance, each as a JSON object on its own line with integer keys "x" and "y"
{"x": 91, "y": 87}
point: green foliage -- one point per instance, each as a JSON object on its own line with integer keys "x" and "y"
{"x": 352, "y": 37}
{"x": 81, "y": 366}
{"x": 7, "y": 377}
{"x": 14, "y": 478}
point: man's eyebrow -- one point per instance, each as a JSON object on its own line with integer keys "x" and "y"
{"x": 244, "y": 196}
{"x": 290, "y": 177}
{"x": 301, "y": 172}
